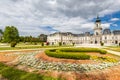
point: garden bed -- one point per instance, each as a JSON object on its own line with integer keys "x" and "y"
{"x": 75, "y": 69}
{"x": 44, "y": 57}
{"x": 30, "y": 60}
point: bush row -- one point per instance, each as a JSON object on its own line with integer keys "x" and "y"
{"x": 83, "y": 50}
{"x": 59, "y": 54}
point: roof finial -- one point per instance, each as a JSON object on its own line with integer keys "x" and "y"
{"x": 97, "y": 16}
{"x": 98, "y": 19}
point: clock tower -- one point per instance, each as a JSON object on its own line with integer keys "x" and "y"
{"x": 97, "y": 31}
{"x": 97, "y": 28}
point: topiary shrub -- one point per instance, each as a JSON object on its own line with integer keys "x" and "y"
{"x": 102, "y": 44}
{"x": 60, "y": 43}
{"x": 13, "y": 44}
{"x": 42, "y": 44}
{"x": 73, "y": 43}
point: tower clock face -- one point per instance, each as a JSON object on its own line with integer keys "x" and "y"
{"x": 97, "y": 25}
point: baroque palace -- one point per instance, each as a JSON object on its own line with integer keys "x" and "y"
{"x": 105, "y": 36}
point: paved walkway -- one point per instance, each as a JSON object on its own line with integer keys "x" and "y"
{"x": 113, "y": 52}
{"x": 42, "y": 49}
{"x": 102, "y": 47}
{"x": 110, "y": 51}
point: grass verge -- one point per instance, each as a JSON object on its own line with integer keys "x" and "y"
{"x": 11, "y": 73}
{"x": 113, "y": 48}
{"x": 29, "y": 47}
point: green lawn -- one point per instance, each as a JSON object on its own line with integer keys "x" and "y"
{"x": 11, "y": 73}
{"x": 28, "y": 46}
{"x": 114, "y": 48}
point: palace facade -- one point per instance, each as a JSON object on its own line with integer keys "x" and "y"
{"x": 105, "y": 36}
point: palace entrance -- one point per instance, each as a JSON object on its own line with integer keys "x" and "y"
{"x": 95, "y": 42}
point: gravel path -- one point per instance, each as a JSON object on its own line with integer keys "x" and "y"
{"x": 113, "y": 52}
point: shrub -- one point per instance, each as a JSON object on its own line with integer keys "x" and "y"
{"x": 60, "y": 43}
{"x": 35, "y": 43}
{"x": 83, "y": 50}
{"x": 102, "y": 51}
{"x": 13, "y": 44}
{"x": 67, "y": 53}
{"x": 102, "y": 44}
{"x": 73, "y": 43}
{"x": 42, "y": 44}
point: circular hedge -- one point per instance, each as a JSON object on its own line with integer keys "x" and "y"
{"x": 72, "y": 53}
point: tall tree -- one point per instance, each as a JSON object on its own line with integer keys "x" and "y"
{"x": 11, "y": 34}
{"x": 43, "y": 37}
{"x": 1, "y": 31}
{"x": 1, "y": 34}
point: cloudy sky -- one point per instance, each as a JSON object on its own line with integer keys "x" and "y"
{"x": 33, "y": 17}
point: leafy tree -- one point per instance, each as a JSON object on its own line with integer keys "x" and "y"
{"x": 1, "y": 31}
{"x": 43, "y": 37}
{"x": 11, "y": 34}
{"x": 29, "y": 39}
{"x": 21, "y": 39}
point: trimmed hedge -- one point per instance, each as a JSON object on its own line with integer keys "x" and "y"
{"x": 13, "y": 44}
{"x": 67, "y": 53}
{"x": 83, "y": 50}
{"x": 58, "y": 54}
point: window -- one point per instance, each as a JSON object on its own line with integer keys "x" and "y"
{"x": 96, "y": 33}
{"x": 116, "y": 42}
{"x": 105, "y": 37}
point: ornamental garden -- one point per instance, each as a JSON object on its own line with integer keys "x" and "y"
{"x": 78, "y": 60}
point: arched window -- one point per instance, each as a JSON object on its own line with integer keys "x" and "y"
{"x": 116, "y": 42}
{"x": 105, "y": 37}
{"x": 97, "y": 25}
{"x": 96, "y": 33}
{"x": 95, "y": 42}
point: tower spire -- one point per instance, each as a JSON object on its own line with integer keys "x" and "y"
{"x": 97, "y": 16}
{"x": 98, "y": 19}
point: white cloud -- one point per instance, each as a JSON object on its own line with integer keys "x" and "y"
{"x": 115, "y": 25}
{"x": 106, "y": 25}
{"x": 30, "y": 16}
{"x": 114, "y": 19}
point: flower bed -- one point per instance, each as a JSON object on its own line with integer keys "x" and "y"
{"x": 31, "y": 61}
